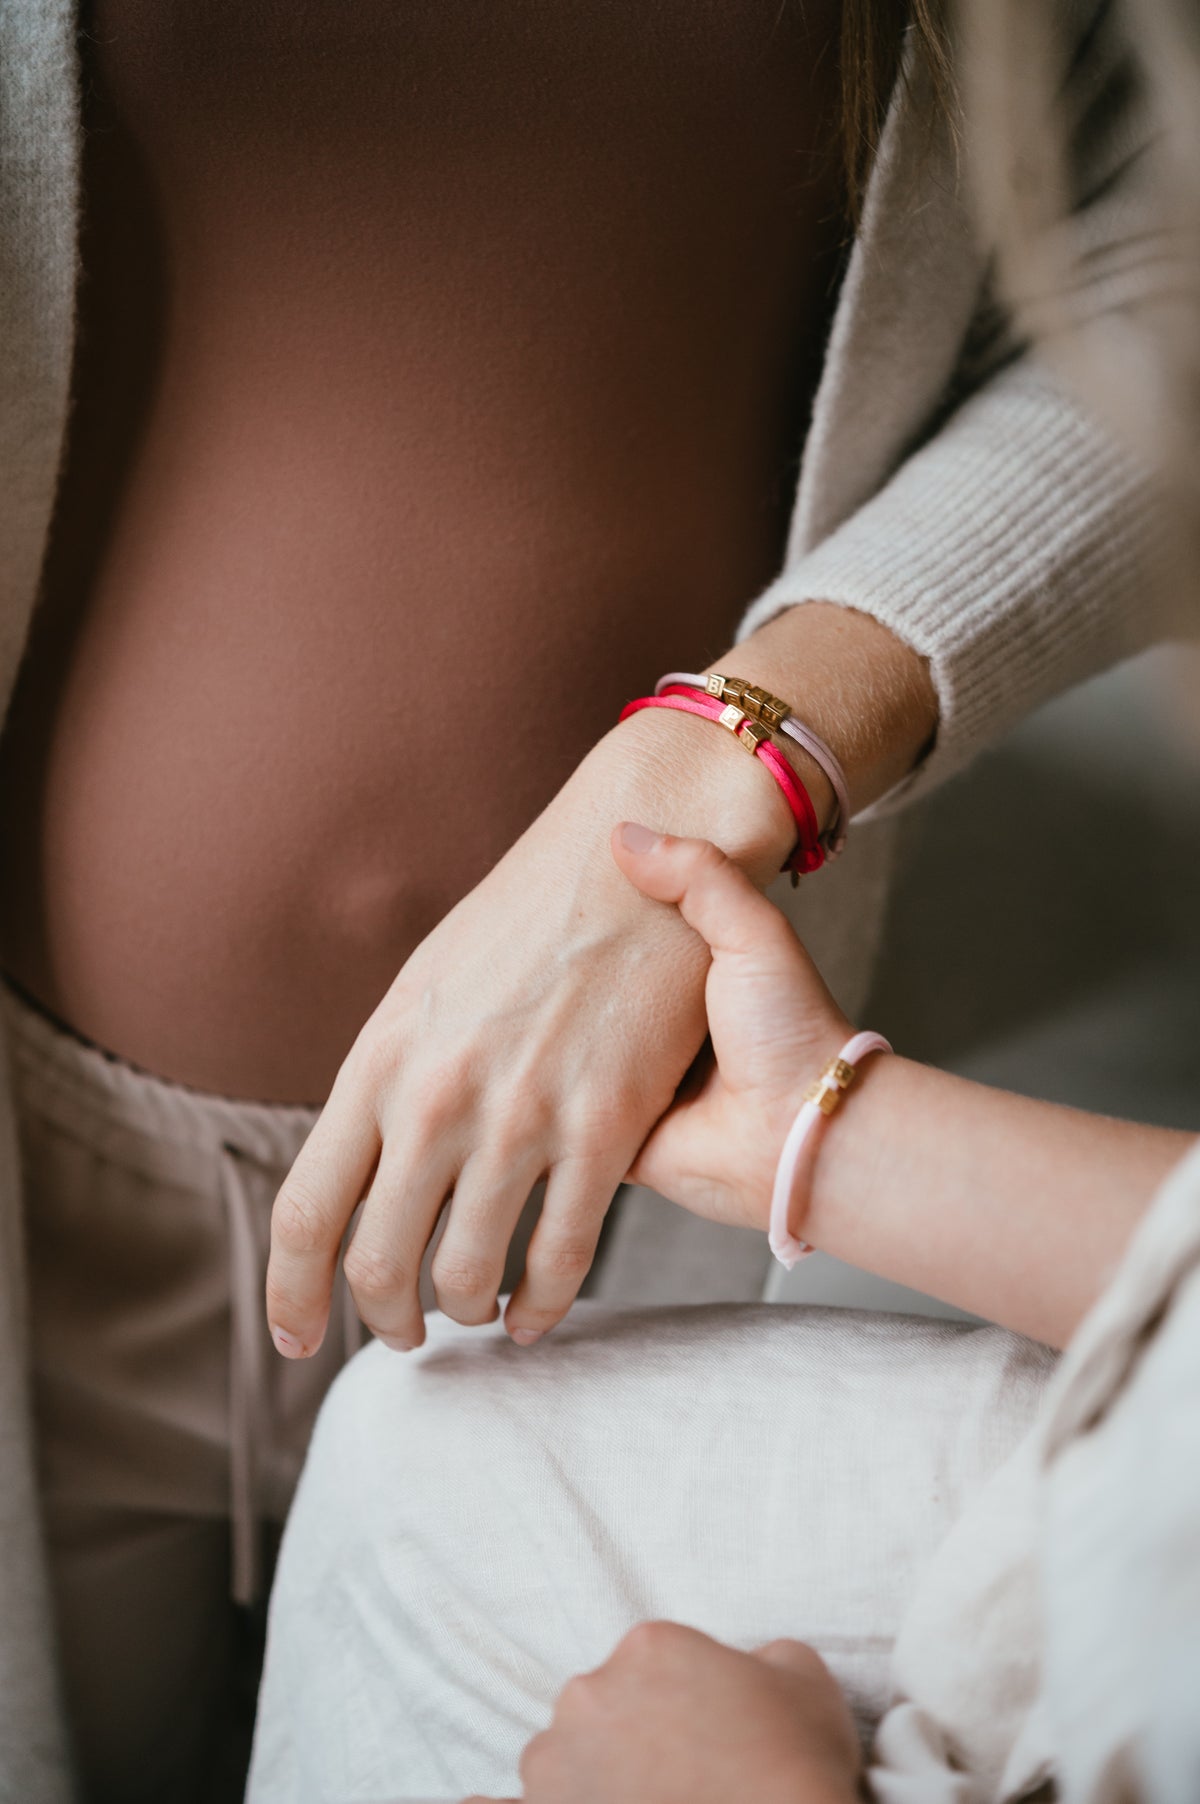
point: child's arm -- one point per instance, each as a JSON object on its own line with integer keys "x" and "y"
{"x": 1016, "y": 1210}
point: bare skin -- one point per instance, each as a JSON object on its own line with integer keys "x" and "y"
{"x": 429, "y": 399}
{"x": 545, "y": 1024}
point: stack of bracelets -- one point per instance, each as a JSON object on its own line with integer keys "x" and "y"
{"x": 754, "y": 717}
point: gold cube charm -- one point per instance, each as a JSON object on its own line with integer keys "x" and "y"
{"x": 741, "y": 728}
{"x": 753, "y": 700}
{"x": 752, "y": 735}
{"x": 831, "y": 1086}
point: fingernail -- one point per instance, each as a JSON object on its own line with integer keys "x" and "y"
{"x": 397, "y": 1345}
{"x": 525, "y": 1337}
{"x": 287, "y": 1344}
{"x": 636, "y": 838}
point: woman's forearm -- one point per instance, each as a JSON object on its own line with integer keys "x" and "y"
{"x": 1016, "y": 1210}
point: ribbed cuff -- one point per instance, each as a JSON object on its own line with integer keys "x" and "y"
{"x": 1016, "y": 551}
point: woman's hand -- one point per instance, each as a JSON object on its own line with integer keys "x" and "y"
{"x": 539, "y": 1031}
{"x": 673, "y": 1717}
{"x": 772, "y": 1022}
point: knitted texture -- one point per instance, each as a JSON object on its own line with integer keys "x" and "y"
{"x": 1015, "y": 551}
{"x": 38, "y": 204}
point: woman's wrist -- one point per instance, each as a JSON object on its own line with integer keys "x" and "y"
{"x": 868, "y": 694}
{"x": 685, "y": 777}
{"x": 861, "y": 689}
{"x": 815, "y": 780}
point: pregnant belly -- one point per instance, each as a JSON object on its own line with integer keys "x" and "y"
{"x": 393, "y": 470}
{"x": 260, "y": 778}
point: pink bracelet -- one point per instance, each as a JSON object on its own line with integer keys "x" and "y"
{"x": 808, "y": 854}
{"x": 820, "y": 1101}
{"x": 733, "y": 689}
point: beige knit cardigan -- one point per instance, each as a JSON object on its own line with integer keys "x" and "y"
{"x": 947, "y": 487}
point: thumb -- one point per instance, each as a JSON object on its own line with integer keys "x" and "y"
{"x": 714, "y": 897}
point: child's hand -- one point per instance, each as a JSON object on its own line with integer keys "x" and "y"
{"x": 673, "y": 1717}
{"x": 772, "y": 1023}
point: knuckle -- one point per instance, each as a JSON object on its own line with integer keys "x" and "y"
{"x": 535, "y": 1760}
{"x": 798, "y": 1652}
{"x": 801, "y": 1660}
{"x": 576, "y": 1697}
{"x": 435, "y": 1094}
{"x": 460, "y": 1275}
{"x": 374, "y": 1058}
{"x": 299, "y": 1220}
{"x": 598, "y": 1122}
{"x": 374, "y": 1273}
{"x": 649, "y": 1641}
{"x": 567, "y": 1258}
{"x": 508, "y": 1146}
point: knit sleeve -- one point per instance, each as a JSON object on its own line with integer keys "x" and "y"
{"x": 1020, "y": 546}
{"x": 1016, "y": 551}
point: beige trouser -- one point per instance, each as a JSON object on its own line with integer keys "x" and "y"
{"x": 170, "y": 1434}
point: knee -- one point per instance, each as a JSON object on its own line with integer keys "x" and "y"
{"x": 395, "y": 1432}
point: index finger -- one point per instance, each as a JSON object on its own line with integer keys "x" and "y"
{"x": 311, "y": 1214}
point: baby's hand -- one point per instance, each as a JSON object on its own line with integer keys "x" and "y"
{"x": 773, "y": 1027}
{"x": 673, "y": 1715}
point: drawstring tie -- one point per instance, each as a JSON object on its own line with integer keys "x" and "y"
{"x": 249, "y": 1404}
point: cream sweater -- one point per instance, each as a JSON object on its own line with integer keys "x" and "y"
{"x": 948, "y": 488}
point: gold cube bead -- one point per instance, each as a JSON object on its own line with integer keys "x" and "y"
{"x": 831, "y": 1086}
{"x": 772, "y": 710}
{"x": 752, "y": 735}
{"x": 741, "y": 728}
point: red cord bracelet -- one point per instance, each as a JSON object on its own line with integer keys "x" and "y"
{"x": 776, "y": 714}
{"x": 808, "y": 854}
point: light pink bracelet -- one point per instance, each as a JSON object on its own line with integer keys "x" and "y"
{"x": 726, "y": 688}
{"x": 820, "y": 1101}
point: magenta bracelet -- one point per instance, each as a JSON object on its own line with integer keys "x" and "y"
{"x": 834, "y": 836}
{"x": 808, "y": 853}
{"x": 820, "y": 1101}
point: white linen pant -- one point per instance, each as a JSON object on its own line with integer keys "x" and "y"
{"x": 169, "y": 1432}
{"x": 478, "y": 1522}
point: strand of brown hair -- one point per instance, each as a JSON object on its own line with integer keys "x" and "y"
{"x": 871, "y": 41}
